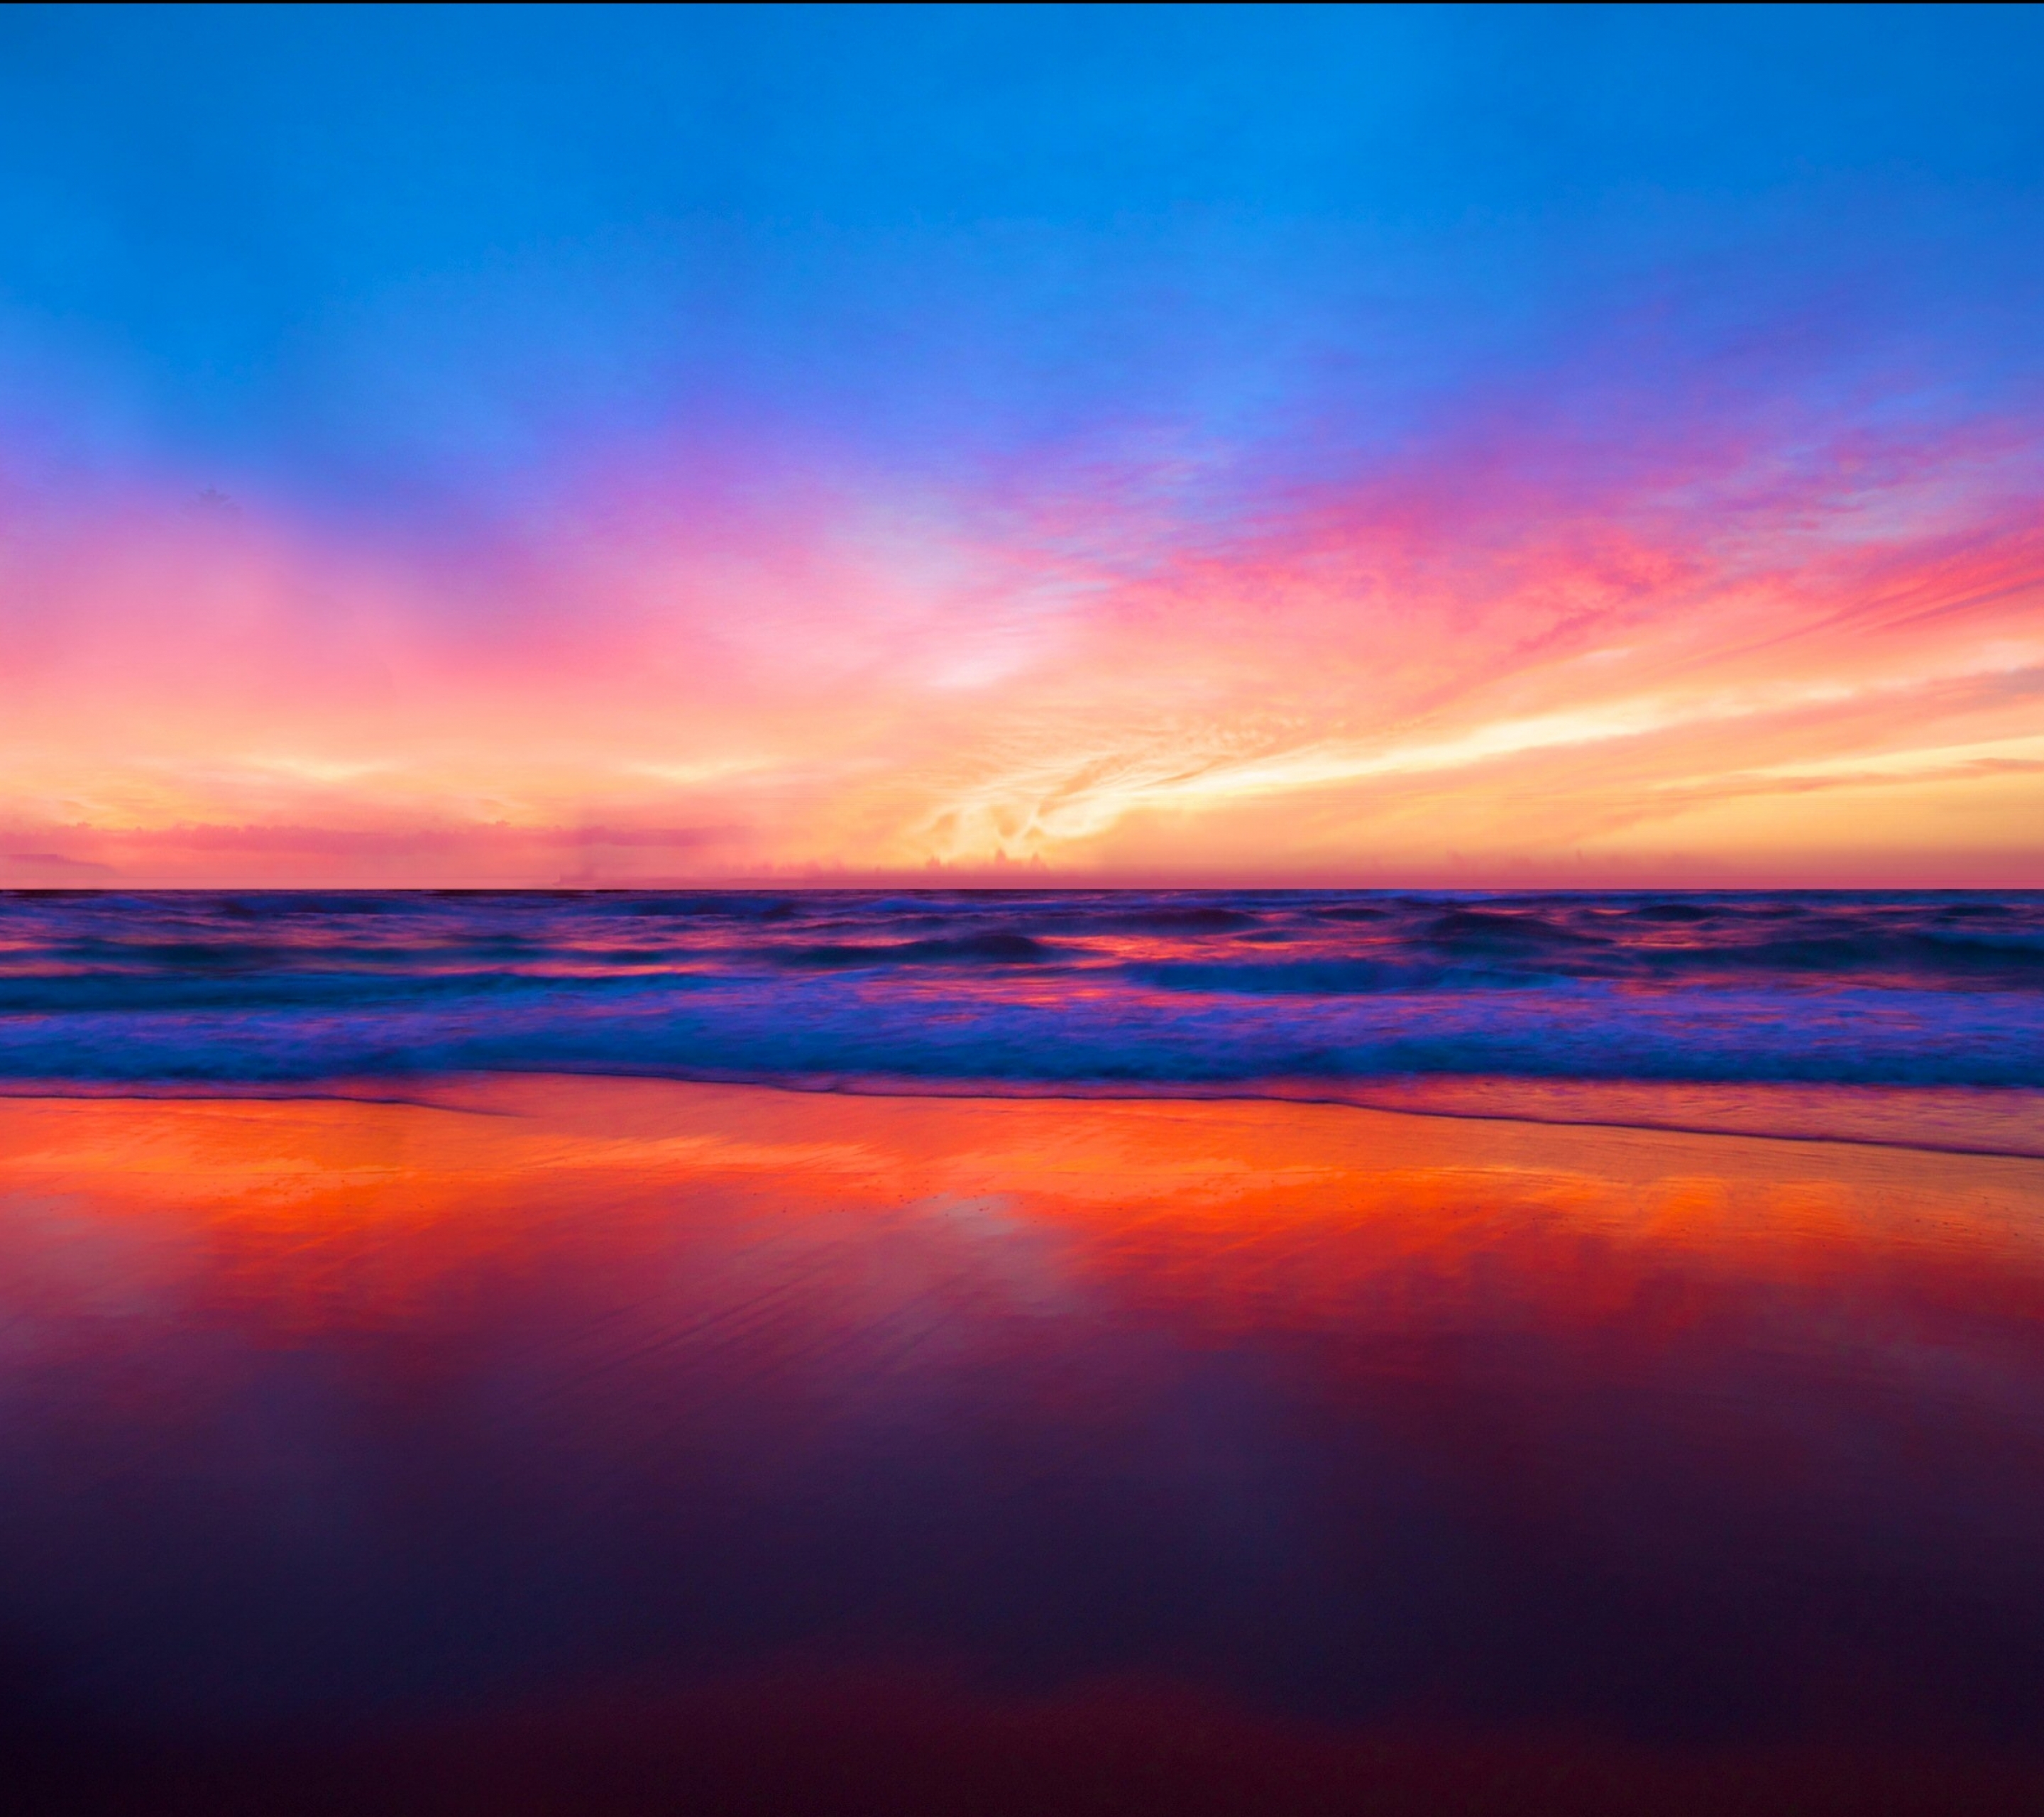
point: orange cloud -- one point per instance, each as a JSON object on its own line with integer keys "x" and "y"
{"x": 1523, "y": 655}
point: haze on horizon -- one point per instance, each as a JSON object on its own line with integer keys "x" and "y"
{"x": 487, "y": 446}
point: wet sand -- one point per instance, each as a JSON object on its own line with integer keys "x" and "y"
{"x": 591, "y": 1445}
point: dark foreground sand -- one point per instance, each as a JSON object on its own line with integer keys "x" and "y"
{"x": 572, "y": 1445}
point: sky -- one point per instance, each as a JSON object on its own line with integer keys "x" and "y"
{"x": 1421, "y": 446}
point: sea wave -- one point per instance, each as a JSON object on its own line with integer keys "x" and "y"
{"x": 1174, "y": 988}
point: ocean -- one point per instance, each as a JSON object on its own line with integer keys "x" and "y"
{"x": 1004, "y": 991}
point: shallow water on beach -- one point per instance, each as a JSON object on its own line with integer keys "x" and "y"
{"x": 323, "y": 1418}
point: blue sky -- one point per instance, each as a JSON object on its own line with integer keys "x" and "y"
{"x": 322, "y": 249}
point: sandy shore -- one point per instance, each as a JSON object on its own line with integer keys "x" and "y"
{"x": 1699, "y": 1450}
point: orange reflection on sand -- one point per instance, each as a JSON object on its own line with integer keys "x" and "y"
{"x": 1135, "y": 1181}
{"x": 1226, "y": 1216}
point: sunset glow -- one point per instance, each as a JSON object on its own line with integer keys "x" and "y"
{"x": 937, "y": 487}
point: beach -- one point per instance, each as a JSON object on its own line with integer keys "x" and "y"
{"x": 416, "y": 1432}
{"x": 989, "y": 910}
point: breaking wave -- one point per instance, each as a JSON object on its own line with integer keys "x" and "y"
{"x": 1174, "y": 988}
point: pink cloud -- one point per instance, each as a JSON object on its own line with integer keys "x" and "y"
{"x": 1707, "y": 642}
